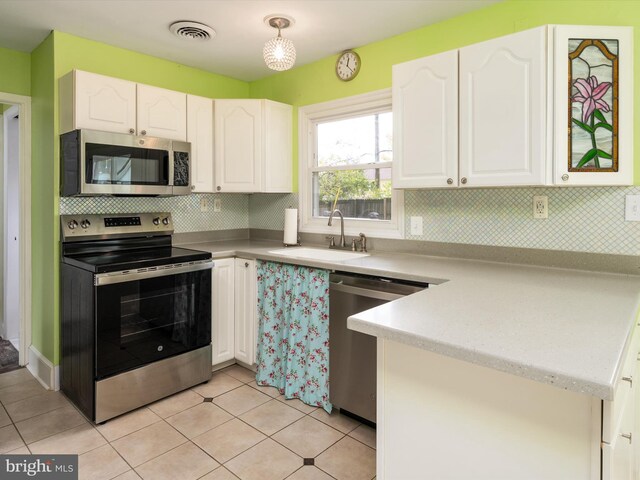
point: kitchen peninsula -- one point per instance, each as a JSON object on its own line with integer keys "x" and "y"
{"x": 512, "y": 368}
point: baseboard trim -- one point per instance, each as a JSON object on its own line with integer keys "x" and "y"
{"x": 43, "y": 370}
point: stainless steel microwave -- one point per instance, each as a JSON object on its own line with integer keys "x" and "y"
{"x": 104, "y": 163}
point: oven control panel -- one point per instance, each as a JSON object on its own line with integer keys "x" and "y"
{"x": 87, "y": 227}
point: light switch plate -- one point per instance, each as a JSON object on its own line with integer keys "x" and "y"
{"x": 416, "y": 225}
{"x": 632, "y": 208}
{"x": 204, "y": 205}
{"x": 217, "y": 205}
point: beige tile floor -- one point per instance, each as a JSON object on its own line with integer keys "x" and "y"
{"x": 226, "y": 429}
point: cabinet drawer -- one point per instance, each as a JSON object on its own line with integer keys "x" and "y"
{"x": 613, "y": 411}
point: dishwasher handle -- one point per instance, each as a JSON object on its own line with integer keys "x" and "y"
{"x": 365, "y": 292}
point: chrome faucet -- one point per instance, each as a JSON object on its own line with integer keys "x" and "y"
{"x": 342, "y": 242}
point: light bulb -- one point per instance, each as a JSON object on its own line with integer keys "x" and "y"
{"x": 279, "y": 53}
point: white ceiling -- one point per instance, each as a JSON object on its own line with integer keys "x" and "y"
{"x": 322, "y": 27}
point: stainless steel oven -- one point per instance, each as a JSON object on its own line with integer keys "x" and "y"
{"x": 136, "y": 312}
{"x": 105, "y": 163}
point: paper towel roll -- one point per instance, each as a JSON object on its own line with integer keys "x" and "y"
{"x": 290, "y": 226}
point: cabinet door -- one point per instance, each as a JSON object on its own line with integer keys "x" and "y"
{"x": 97, "y": 102}
{"x": 503, "y": 102}
{"x": 200, "y": 135}
{"x": 593, "y": 105}
{"x": 246, "y": 304}
{"x": 425, "y": 122}
{"x": 222, "y": 311}
{"x": 162, "y": 113}
{"x": 617, "y": 457}
{"x": 277, "y": 167}
{"x": 238, "y": 145}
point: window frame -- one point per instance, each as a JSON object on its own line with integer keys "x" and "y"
{"x": 308, "y": 117}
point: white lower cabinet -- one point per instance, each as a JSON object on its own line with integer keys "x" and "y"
{"x": 234, "y": 311}
{"x": 222, "y": 311}
{"x": 245, "y": 310}
{"x": 440, "y": 417}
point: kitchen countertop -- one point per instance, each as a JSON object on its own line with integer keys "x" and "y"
{"x": 568, "y": 328}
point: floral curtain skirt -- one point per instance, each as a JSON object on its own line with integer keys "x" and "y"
{"x": 293, "y": 331}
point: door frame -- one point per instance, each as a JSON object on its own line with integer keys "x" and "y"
{"x": 24, "y": 108}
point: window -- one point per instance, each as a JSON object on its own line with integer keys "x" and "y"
{"x": 346, "y": 153}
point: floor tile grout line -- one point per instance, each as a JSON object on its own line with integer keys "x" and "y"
{"x": 175, "y": 448}
{"x": 244, "y": 451}
{"x": 153, "y": 458}
{"x": 53, "y": 434}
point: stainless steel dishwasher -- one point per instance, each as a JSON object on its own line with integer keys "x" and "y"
{"x": 352, "y": 355}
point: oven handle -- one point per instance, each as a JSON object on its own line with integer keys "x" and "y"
{"x": 151, "y": 272}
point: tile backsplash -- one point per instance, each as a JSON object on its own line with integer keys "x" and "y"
{"x": 581, "y": 219}
{"x": 186, "y": 210}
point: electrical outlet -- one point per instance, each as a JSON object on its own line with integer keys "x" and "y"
{"x": 632, "y": 208}
{"x": 217, "y": 205}
{"x": 204, "y": 204}
{"x": 541, "y": 206}
{"x": 416, "y": 226}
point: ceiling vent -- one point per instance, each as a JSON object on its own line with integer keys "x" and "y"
{"x": 192, "y": 30}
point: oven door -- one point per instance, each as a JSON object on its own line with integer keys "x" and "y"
{"x": 147, "y": 315}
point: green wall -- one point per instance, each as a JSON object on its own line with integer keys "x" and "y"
{"x": 44, "y": 248}
{"x": 317, "y": 82}
{"x": 15, "y": 72}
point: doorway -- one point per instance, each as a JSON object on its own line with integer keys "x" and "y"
{"x": 15, "y": 225}
{"x": 10, "y": 200}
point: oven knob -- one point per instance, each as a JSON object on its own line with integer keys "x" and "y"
{"x": 156, "y": 221}
{"x": 72, "y": 224}
{"x": 85, "y": 223}
{"x": 165, "y": 221}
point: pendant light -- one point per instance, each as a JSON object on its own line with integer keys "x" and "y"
{"x": 279, "y": 53}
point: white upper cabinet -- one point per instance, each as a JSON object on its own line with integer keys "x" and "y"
{"x": 425, "y": 117}
{"x": 200, "y": 135}
{"x": 161, "y": 113}
{"x": 550, "y": 105}
{"x": 252, "y": 146}
{"x": 278, "y": 129}
{"x": 238, "y": 133}
{"x": 503, "y": 101}
{"x": 593, "y": 105}
{"x": 97, "y": 102}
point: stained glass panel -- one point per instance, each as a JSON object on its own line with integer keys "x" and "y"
{"x": 593, "y": 109}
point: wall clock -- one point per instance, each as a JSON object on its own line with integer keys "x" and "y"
{"x": 348, "y": 65}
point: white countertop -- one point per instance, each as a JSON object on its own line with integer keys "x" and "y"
{"x": 567, "y": 328}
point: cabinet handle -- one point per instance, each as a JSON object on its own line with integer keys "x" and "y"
{"x": 628, "y": 436}
{"x": 132, "y": 131}
{"x": 628, "y": 379}
{"x": 193, "y": 187}
{"x": 246, "y": 264}
{"x": 463, "y": 180}
{"x": 143, "y": 132}
{"x": 449, "y": 181}
{"x": 218, "y": 188}
{"x": 565, "y": 177}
